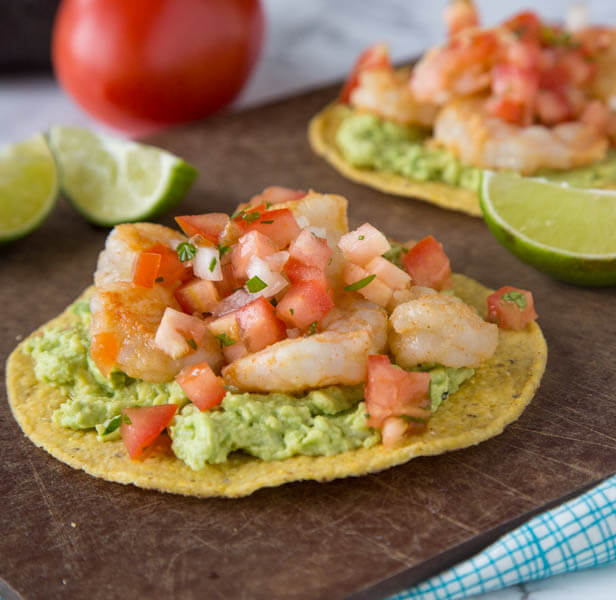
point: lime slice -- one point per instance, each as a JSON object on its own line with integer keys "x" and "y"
{"x": 110, "y": 181}
{"x": 28, "y": 187}
{"x": 566, "y": 232}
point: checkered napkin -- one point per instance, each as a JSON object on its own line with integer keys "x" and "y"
{"x": 577, "y": 535}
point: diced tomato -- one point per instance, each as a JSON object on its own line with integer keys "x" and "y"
{"x": 596, "y": 114}
{"x": 525, "y": 25}
{"x": 146, "y": 269}
{"x": 298, "y": 271}
{"x": 178, "y": 333}
{"x": 209, "y": 225}
{"x": 259, "y": 325}
{"x": 146, "y": 424}
{"x": 279, "y": 225}
{"x": 552, "y": 107}
{"x": 388, "y": 273}
{"x": 172, "y": 270}
{"x": 524, "y": 54}
{"x": 104, "y": 349}
{"x": 197, "y": 295}
{"x": 374, "y": 290}
{"x": 246, "y": 216}
{"x": 393, "y": 392}
{"x": 304, "y": 303}
{"x": 511, "y": 308}
{"x": 311, "y": 250}
{"x": 229, "y": 283}
{"x": 507, "y": 109}
{"x": 428, "y": 265}
{"x": 514, "y": 90}
{"x": 361, "y": 245}
{"x": 202, "y": 386}
{"x": 374, "y": 57}
{"x": 253, "y": 243}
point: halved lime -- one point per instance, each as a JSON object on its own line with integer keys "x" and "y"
{"x": 111, "y": 181}
{"x": 566, "y": 232}
{"x": 28, "y": 187}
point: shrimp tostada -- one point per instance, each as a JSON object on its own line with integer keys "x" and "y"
{"x": 254, "y": 350}
{"x": 523, "y": 96}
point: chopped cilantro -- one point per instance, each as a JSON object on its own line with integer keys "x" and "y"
{"x": 159, "y": 279}
{"x": 225, "y": 340}
{"x": 274, "y": 302}
{"x": 361, "y": 237}
{"x": 517, "y": 298}
{"x": 212, "y": 264}
{"x": 312, "y": 329}
{"x": 266, "y": 222}
{"x": 192, "y": 343}
{"x": 126, "y": 420}
{"x": 251, "y": 217}
{"x": 113, "y": 424}
{"x": 255, "y": 284}
{"x": 292, "y": 311}
{"x": 223, "y": 250}
{"x": 360, "y": 284}
{"x": 268, "y": 205}
{"x": 186, "y": 251}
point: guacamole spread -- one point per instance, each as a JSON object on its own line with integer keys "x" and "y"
{"x": 370, "y": 142}
{"x": 272, "y": 426}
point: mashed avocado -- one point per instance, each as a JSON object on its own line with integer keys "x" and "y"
{"x": 369, "y": 142}
{"x": 274, "y": 426}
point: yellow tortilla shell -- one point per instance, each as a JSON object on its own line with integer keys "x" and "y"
{"x": 322, "y": 136}
{"x": 493, "y": 398}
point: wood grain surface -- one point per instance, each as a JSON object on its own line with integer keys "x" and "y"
{"x": 65, "y": 534}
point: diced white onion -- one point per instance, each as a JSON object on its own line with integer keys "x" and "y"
{"x": 318, "y": 231}
{"x": 206, "y": 263}
{"x": 302, "y": 221}
{"x": 232, "y": 302}
{"x": 274, "y": 282}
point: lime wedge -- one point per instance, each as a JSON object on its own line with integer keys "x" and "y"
{"x": 566, "y": 232}
{"x": 110, "y": 181}
{"x": 28, "y": 187}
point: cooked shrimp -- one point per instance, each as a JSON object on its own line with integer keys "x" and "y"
{"x": 434, "y": 328}
{"x": 387, "y": 94}
{"x": 459, "y": 15}
{"x": 337, "y": 355}
{"x": 123, "y": 244}
{"x": 478, "y": 139}
{"x": 461, "y": 67}
{"x": 133, "y": 313}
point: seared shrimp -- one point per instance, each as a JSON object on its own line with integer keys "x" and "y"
{"x": 434, "y": 328}
{"x": 460, "y": 68}
{"x": 124, "y": 243}
{"x": 133, "y": 313}
{"x": 337, "y": 355}
{"x": 387, "y": 94}
{"x": 478, "y": 139}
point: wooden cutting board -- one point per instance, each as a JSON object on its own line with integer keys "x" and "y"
{"x": 65, "y": 534}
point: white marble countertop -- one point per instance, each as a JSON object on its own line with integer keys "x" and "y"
{"x": 310, "y": 44}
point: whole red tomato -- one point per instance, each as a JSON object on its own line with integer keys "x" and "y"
{"x": 138, "y": 65}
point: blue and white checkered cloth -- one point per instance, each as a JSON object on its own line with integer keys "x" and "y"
{"x": 577, "y": 535}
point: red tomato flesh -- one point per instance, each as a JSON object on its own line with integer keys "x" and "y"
{"x": 297, "y": 271}
{"x": 202, "y": 386}
{"x": 305, "y": 303}
{"x": 259, "y": 326}
{"x": 146, "y": 270}
{"x": 279, "y": 225}
{"x": 141, "y": 64}
{"x": 197, "y": 295}
{"x": 146, "y": 424}
{"x": 311, "y": 250}
{"x": 104, "y": 349}
{"x": 171, "y": 270}
{"x": 511, "y": 308}
{"x": 394, "y": 392}
{"x": 428, "y": 265}
{"x": 210, "y": 225}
